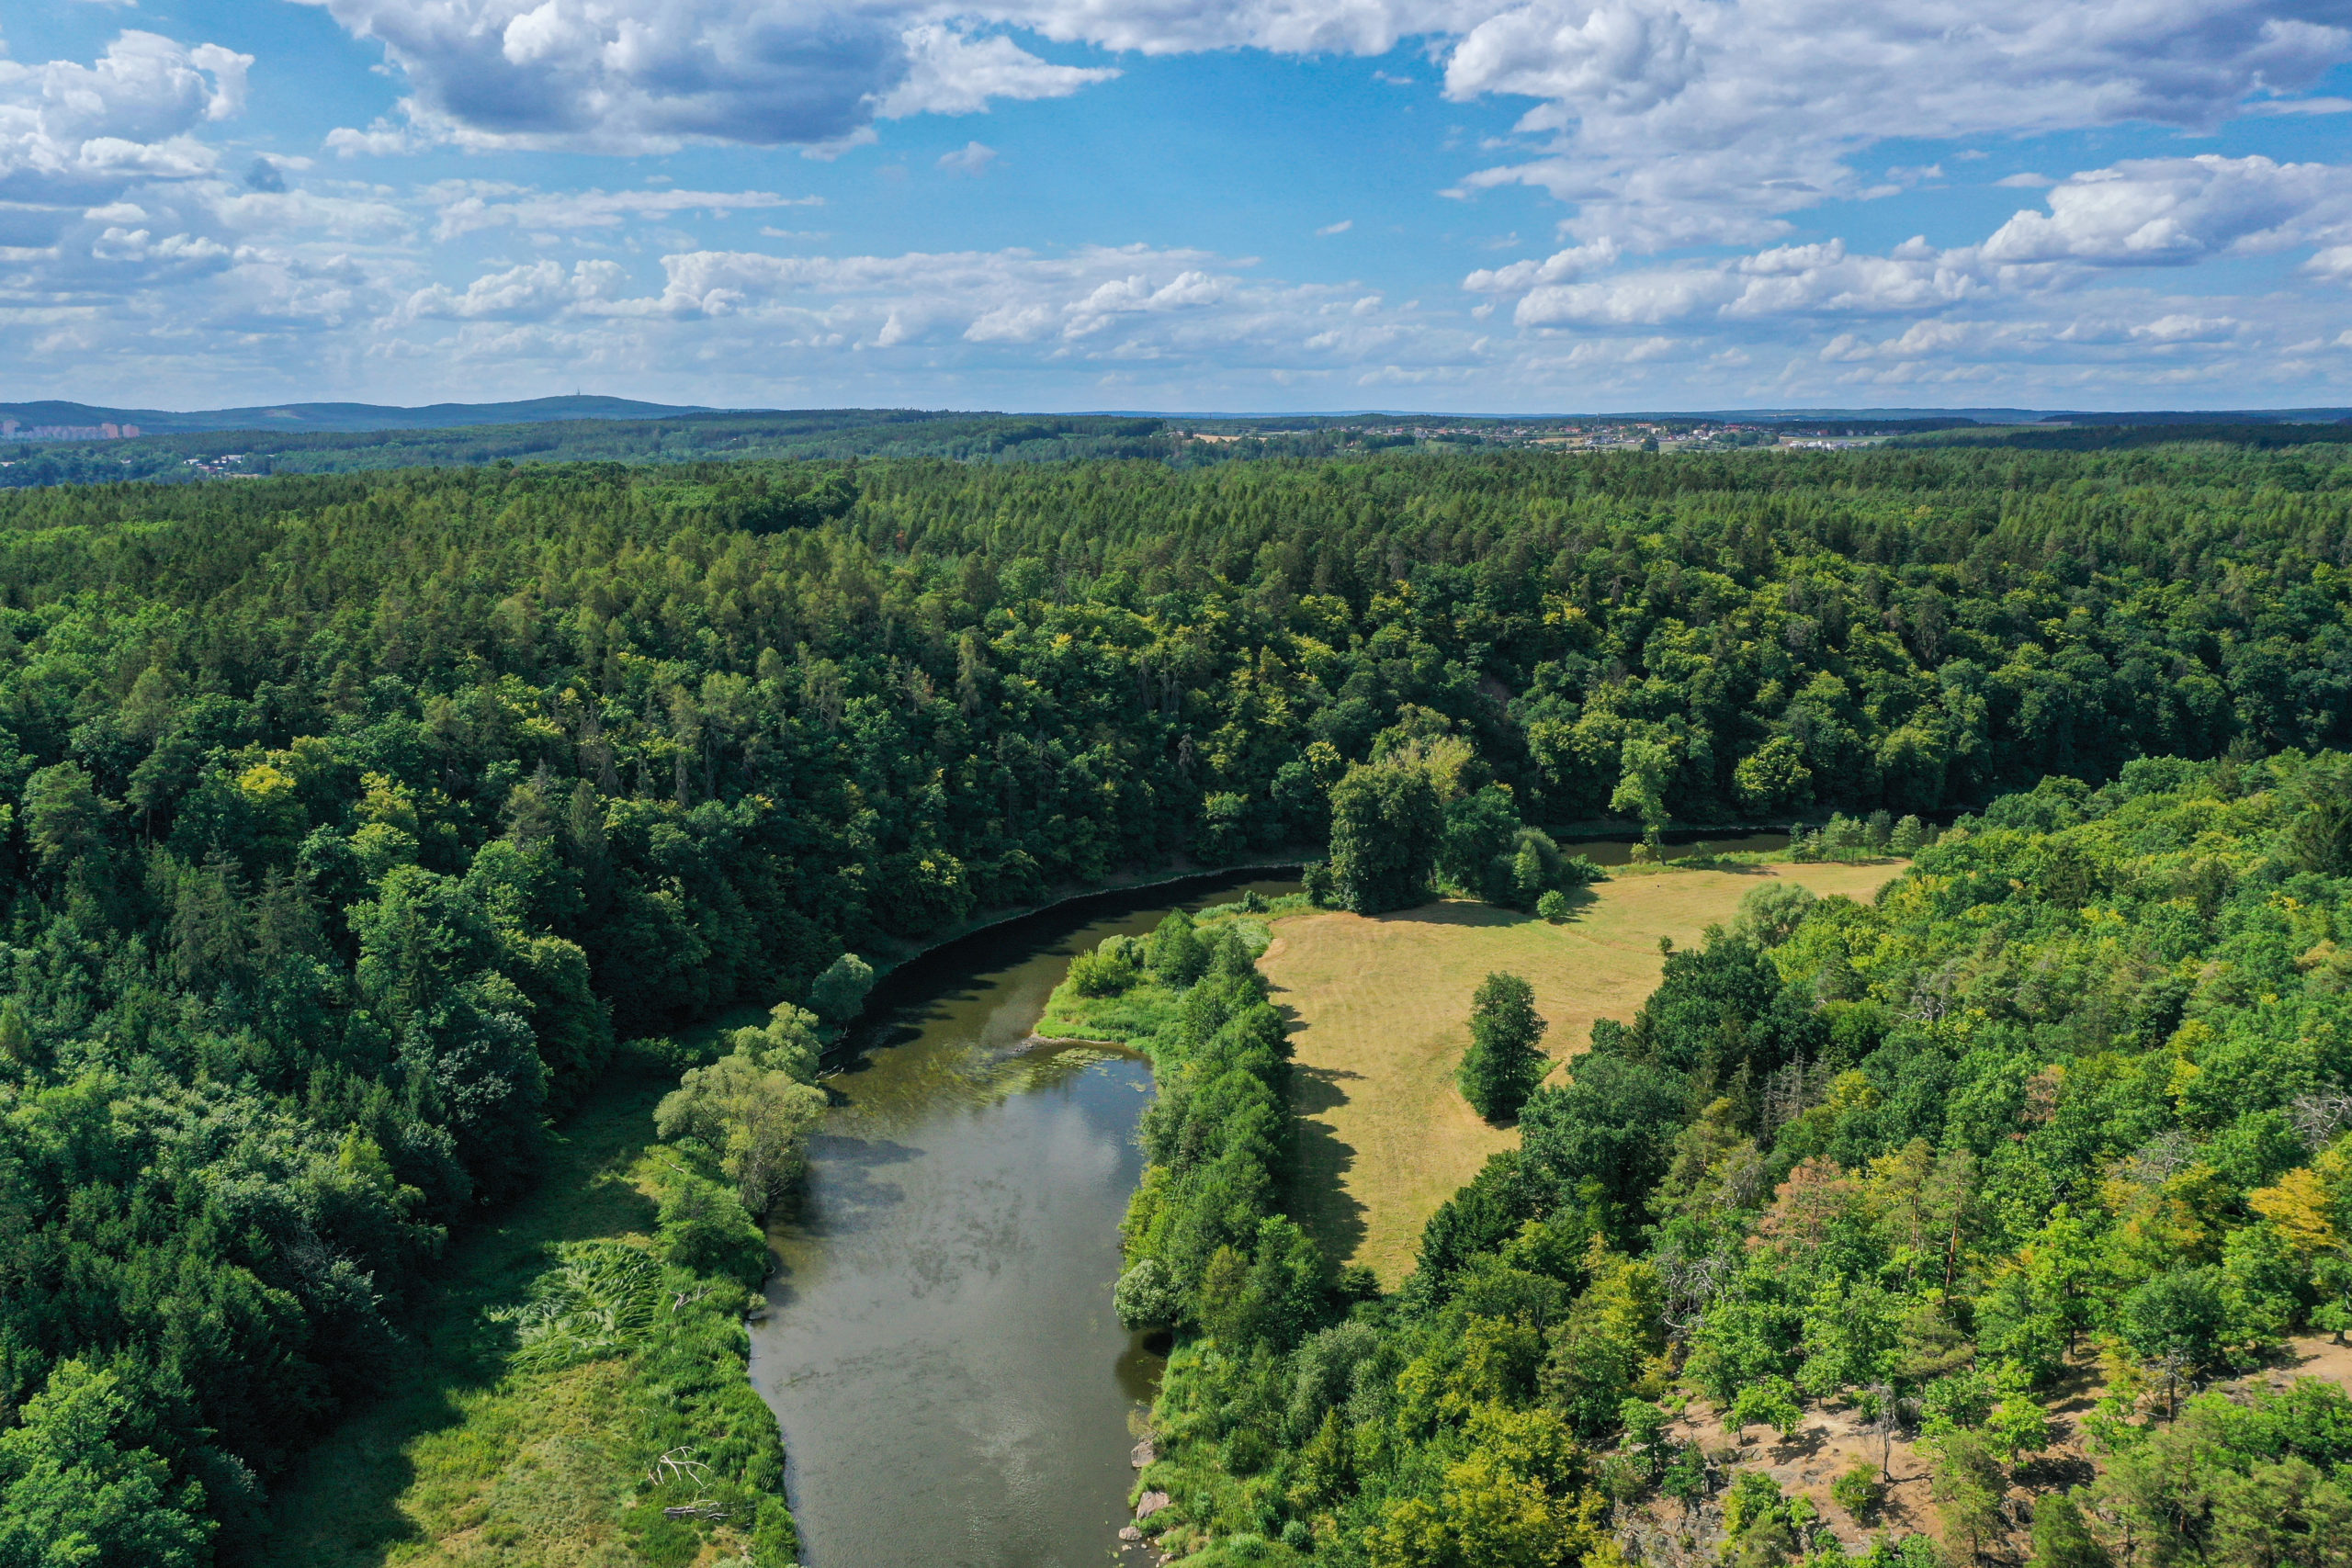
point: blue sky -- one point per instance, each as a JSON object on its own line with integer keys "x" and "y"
{"x": 1474, "y": 205}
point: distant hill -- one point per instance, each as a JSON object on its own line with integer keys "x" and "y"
{"x": 344, "y": 417}
{"x": 357, "y": 418}
{"x": 72, "y": 448}
{"x": 679, "y": 435}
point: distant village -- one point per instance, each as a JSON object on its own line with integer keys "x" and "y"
{"x": 34, "y": 452}
{"x": 1616, "y": 436}
{"x": 12, "y": 431}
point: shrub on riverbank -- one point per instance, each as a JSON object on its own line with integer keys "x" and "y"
{"x": 747, "y": 1116}
{"x": 735, "y": 1141}
{"x": 1131, "y": 992}
{"x": 627, "y": 1366}
{"x": 711, "y": 1443}
{"x": 1209, "y": 1250}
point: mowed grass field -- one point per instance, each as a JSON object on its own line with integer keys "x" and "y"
{"x": 1384, "y": 1002}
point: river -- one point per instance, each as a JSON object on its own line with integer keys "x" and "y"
{"x": 954, "y": 1388}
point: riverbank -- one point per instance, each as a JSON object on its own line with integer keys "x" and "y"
{"x": 943, "y": 1311}
{"x": 1136, "y": 1015}
{"x": 461, "y": 1460}
{"x": 1170, "y": 876}
{"x": 474, "y": 1457}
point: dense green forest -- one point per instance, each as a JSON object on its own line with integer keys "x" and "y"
{"x": 684, "y": 437}
{"x": 349, "y": 820}
{"x": 2072, "y": 1091}
{"x": 2094, "y": 437}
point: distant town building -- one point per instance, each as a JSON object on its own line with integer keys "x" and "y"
{"x": 12, "y": 431}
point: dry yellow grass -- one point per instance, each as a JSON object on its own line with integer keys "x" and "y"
{"x": 1384, "y": 1135}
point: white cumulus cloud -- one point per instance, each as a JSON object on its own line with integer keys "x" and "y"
{"x": 626, "y": 76}
{"x": 952, "y": 72}
{"x": 1616, "y": 58}
{"x": 973, "y": 158}
{"x": 75, "y": 133}
{"x": 521, "y": 293}
{"x": 1672, "y": 124}
{"x": 2173, "y": 212}
{"x": 1662, "y": 123}
{"x": 466, "y": 206}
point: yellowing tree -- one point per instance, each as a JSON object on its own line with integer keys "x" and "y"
{"x": 2300, "y": 1206}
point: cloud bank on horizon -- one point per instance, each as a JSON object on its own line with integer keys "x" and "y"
{"x": 1226, "y": 203}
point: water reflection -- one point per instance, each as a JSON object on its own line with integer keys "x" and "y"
{"x": 953, "y": 1384}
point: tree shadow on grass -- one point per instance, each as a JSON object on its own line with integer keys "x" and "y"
{"x": 1803, "y": 1444}
{"x": 1579, "y": 899}
{"x": 1320, "y": 1202}
{"x": 2056, "y": 1471}
{"x": 1453, "y": 912}
{"x": 1716, "y": 863}
{"x": 338, "y": 1504}
{"x": 1472, "y": 913}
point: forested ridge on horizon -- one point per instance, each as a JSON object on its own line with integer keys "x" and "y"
{"x": 683, "y": 437}
{"x": 349, "y": 820}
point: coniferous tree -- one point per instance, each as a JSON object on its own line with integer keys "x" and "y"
{"x": 2061, "y": 1540}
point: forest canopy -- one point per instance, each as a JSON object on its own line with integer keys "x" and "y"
{"x": 348, "y": 819}
{"x": 2068, "y": 1100}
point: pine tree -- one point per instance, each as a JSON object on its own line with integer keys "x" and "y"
{"x": 2060, "y": 1538}
{"x": 1505, "y": 1061}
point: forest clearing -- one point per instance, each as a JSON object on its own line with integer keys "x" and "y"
{"x": 474, "y": 1454}
{"x": 452, "y": 1440}
{"x": 1384, "y": 1136}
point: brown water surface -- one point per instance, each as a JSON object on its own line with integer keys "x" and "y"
{"x": 953, "y": 1387}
